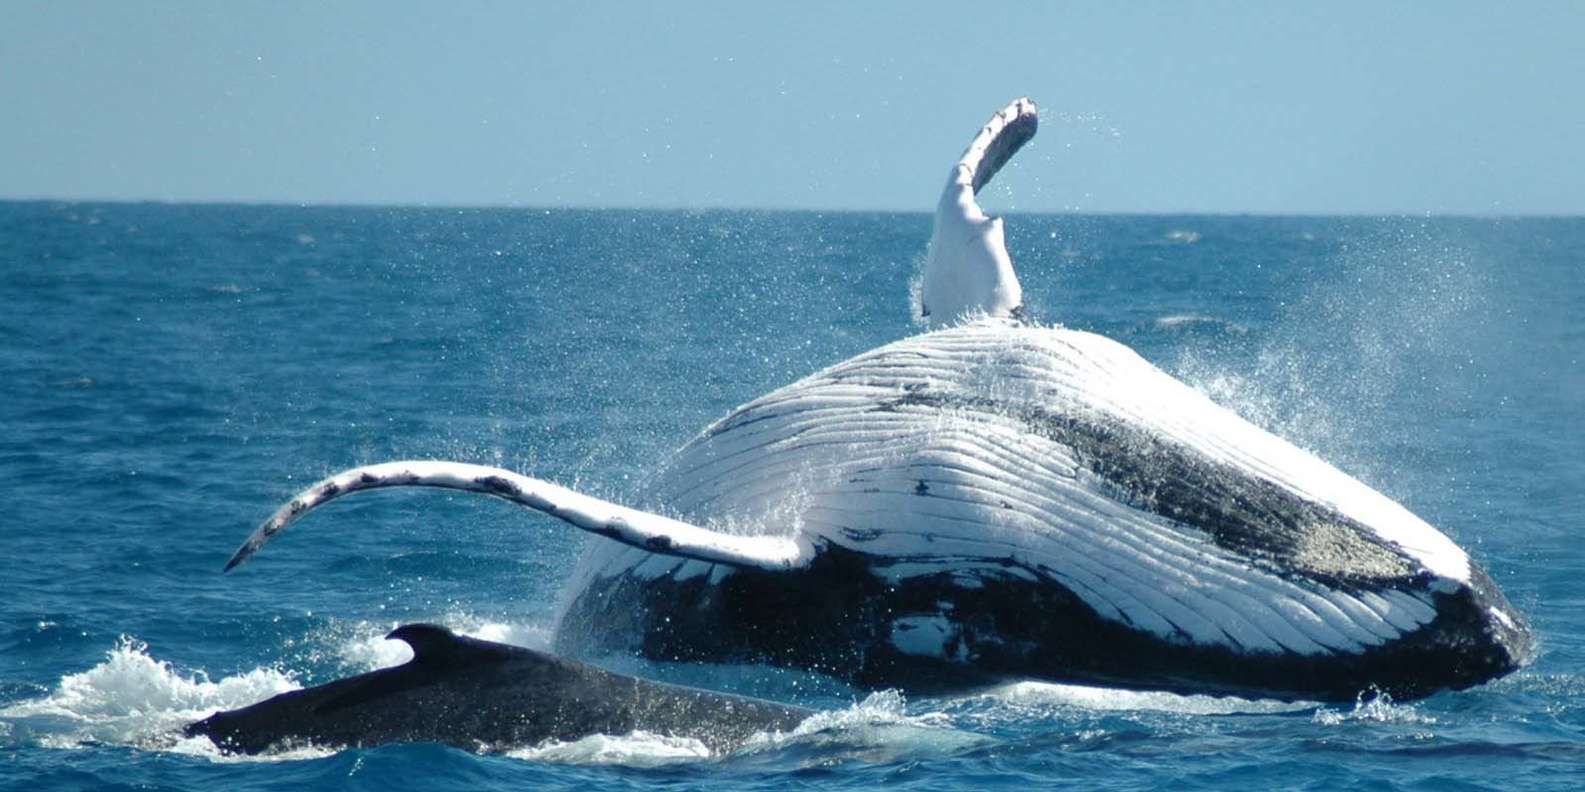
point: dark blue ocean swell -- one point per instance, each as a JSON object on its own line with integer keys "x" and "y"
{"x": 171, "y": 373}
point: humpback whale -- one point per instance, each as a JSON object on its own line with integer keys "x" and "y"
{"x": 996, "y": 498}
{"x": 474, "y": 694}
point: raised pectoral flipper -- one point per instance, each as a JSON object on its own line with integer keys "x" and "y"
{"x": 968, "y": 272}
{"x": 641, "y": 529}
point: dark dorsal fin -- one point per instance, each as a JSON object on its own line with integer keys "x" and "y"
{"x": 430, "y": 642}
{"x": 437, "y": 653}
{"x": 435, "y": 646}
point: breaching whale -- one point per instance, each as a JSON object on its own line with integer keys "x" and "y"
{"x": 474, "y": 694}
{"x": 998, "y": 499}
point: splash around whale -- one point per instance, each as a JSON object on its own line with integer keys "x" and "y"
{"x": 998, "y": 499}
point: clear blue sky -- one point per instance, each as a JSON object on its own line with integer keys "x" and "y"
{"x": 1451, "y": 107}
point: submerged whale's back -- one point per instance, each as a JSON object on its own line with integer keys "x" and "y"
{"x": 995, "y": 454}
{"x": 475, "y": 694}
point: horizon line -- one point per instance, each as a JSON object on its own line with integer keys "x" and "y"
{"x": 527, "y": 207}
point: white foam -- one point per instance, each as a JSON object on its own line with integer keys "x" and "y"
{"x": 202, "y": 747}
{"x": 1376, "y": 708}
{"x": 877, "y": 723}
{"x": 1116, "y": 700}
{"x": 877, "y": 729}
{"x": 136, "y": 700}
{"x": 133, "y": 699}
{"x": 636, "y": 749}
{"x": 886, "y": 707}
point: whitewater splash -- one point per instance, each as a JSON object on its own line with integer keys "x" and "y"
{"x": 638, "y": 749}
{"x": 134, "y": 699}
{"x": 1099, "y": 699}
{"x": 877, "y": 729}
{"x": 1404, "y": 304}
{"x": 1375, "y": 707}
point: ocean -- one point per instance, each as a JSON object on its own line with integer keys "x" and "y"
{"x": 169, "y": 374}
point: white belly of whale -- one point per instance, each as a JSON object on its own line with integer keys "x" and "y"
{"x": 929, "y": 454}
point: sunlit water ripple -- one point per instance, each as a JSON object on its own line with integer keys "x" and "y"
{"x": 172, "y": 372}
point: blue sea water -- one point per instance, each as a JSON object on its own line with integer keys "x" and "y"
{"x": 170, "y": 374}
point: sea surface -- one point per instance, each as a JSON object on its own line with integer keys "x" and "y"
{"x": 169, "y": 374}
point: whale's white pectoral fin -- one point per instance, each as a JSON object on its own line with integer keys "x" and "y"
{"x": 998, "y": 141}
{"x": 968, "y": 270}
{"x": 641, "y": 529}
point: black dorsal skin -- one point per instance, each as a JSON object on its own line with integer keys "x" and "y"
{"x": 480, "y": 695}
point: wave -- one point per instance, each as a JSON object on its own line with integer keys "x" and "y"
{"x": 1374, "y": 708}
{"x": 136, "y": 700}
{"x": 133, "y": 699}
{"x": 877, "y": 729}
{"x": 638, "y": 749}
{"x": 1191, "y": 322}
{"x": 1117, "y": 699}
